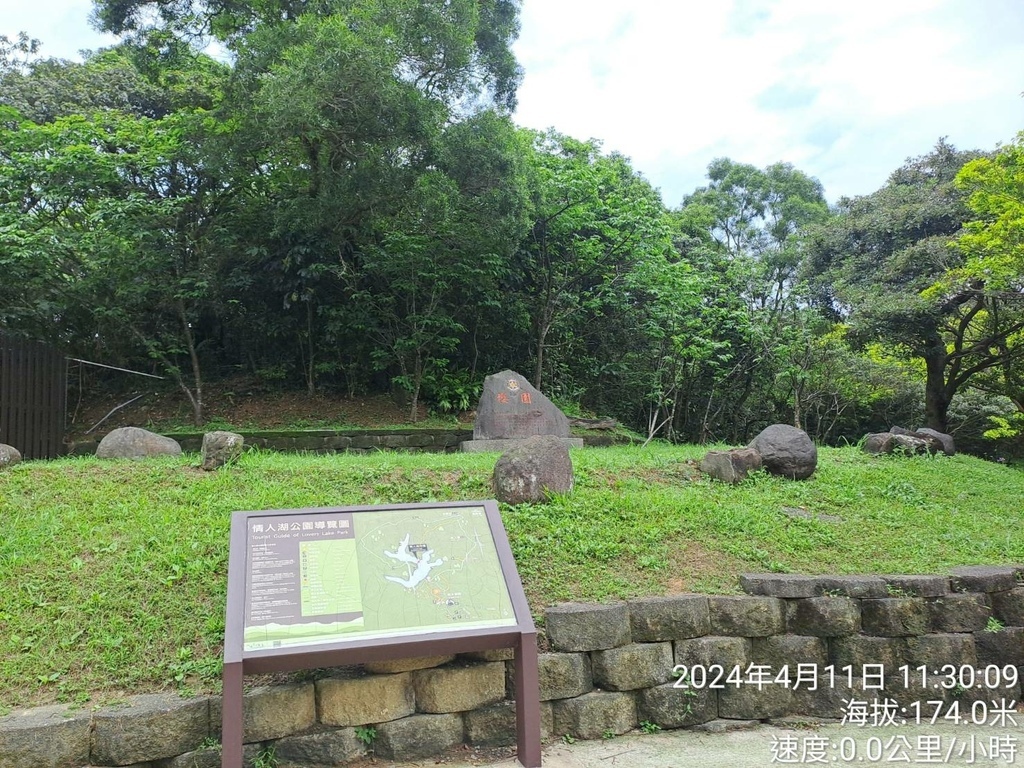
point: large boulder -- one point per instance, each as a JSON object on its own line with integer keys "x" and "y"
{"x": 906, "y": 442}
{"x": 9, "y": 456}
{"x": 510, "y": 408}
{"x": 533, "y": 469}
{"x": 135, "y": 443}
{"x": 220, "y": 448}
{"x": 786, "y": 451}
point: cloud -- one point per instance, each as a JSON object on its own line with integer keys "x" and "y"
{"x": 843, "y": 91}
{"x": 61, "y": 25}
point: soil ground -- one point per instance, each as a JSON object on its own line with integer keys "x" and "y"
{"x": 239, "y": 403}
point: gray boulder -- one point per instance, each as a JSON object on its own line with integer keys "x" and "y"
{"x": 510, "y": 408}
{"x": 948, "y": 446}
{"x": 9, "y": 456}
{"x": 908, "y": 443}
{"x": 135, "y": 443}
{"x": 933, "y": 444}
{"x": 786, "y": 451}
{"x": 731, "y": 466}
{"x": 911, "y": 445}
{"x": 220, "y": 448}
{"x": 533, "y": 469}
{"x": 878, "y": 443}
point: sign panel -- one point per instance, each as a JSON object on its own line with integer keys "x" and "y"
{"x": 324, "y": 587}
{"x": 328, "y": 576}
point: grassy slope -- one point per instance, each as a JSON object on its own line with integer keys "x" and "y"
{"x": 113, "y": 572}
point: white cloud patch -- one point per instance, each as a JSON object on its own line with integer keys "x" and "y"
{"x": 61, "y": 25}
{"x": 844, "y": 92}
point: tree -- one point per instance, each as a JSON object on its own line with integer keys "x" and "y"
{"x": 438, "y": 261}
{"x": 993, "y": 241}
{"x": 755, "y": 215}
{"x": 594, "y": 219}
{"x": 744, "y": 227}
{"x": 451, "y": 49}
{"x": 882, "y": 262}
{"x": 112, "y": 219}
{"x": 337, "y": 109}
{"x": 151, "y": 78}
{"x": 162, "y": 204}
{"x": 992, "y": 244}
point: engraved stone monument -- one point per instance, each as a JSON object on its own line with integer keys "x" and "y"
{"x": 511, "y": 410}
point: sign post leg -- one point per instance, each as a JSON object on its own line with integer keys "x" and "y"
{"x": 527, "y": 704}
{"x": 231, "y": 717}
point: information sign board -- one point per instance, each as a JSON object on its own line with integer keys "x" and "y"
{"x": 316, "y": 577}
{"x": 331, "y": 586}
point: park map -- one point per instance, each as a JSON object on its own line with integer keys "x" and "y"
{"x": 326, "y": 576}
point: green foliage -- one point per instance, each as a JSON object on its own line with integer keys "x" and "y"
{"x": 594, "y": 221}
{"x": 987, "y": 424}
{"x": 648, "y": 727}
{"x": 994, "y": 625}
{"x": 265, "y": 758}
{"x": 993, "y": 242}
{"x": 451, "y": 391}
{"x": 151, "y": 78}
{"x": 209, "y": 743}
{"x": 346, "y": 205}
{"x": 728, "y": 344}
{"x": 1012, "y": 426}
{"x": 106, "y": 214}
{"x": 366, "y": 734}
{"x": 884, "y": 264}
{"x": 459, "y": 47}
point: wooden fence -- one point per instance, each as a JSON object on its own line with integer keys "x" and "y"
{"x": 33, "y": 385}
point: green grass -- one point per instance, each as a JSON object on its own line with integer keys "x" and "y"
{"x": 114, "y": 572}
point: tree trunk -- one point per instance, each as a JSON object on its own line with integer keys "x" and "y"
{"x": 542, "y": 334}
{"x": 936, "y": 399}
{"x": 310, "y": 369}
{"x": 797, "y": 410}
{"x": 197, "y": 400}
{"x": 417, "y": 383}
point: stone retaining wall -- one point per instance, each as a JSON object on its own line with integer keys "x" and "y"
{"x": 346, "y": 441}
{"x": 605, "y": 669}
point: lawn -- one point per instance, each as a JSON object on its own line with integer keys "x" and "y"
{"x": 114, "y": 572}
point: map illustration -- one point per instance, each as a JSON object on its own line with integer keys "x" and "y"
{"x": 328, "y": 576}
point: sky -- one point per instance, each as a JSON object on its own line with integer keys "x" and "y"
{"x": 844, "y": 91}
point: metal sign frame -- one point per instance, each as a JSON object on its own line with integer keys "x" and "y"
{"x": 521, "y": 636}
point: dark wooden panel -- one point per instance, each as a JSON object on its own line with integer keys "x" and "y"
{"x": 33, "y": 383}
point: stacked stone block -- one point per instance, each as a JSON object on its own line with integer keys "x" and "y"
{"x": 608, "y": 668}
{"x": 415, "y": 440}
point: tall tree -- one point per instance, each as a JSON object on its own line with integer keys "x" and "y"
{"x": 436, "y": 263}
{"x": 337, "y": 107}
{"x": 453, "y": 48}
{"x": 113, "y": 218}
{"x": 754, "y": 218}
{"x": 878, "y": 260}
{"x": 152, "y": 77}
{"x": 594, "y": 219}
{"x": 992, "y": 244}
